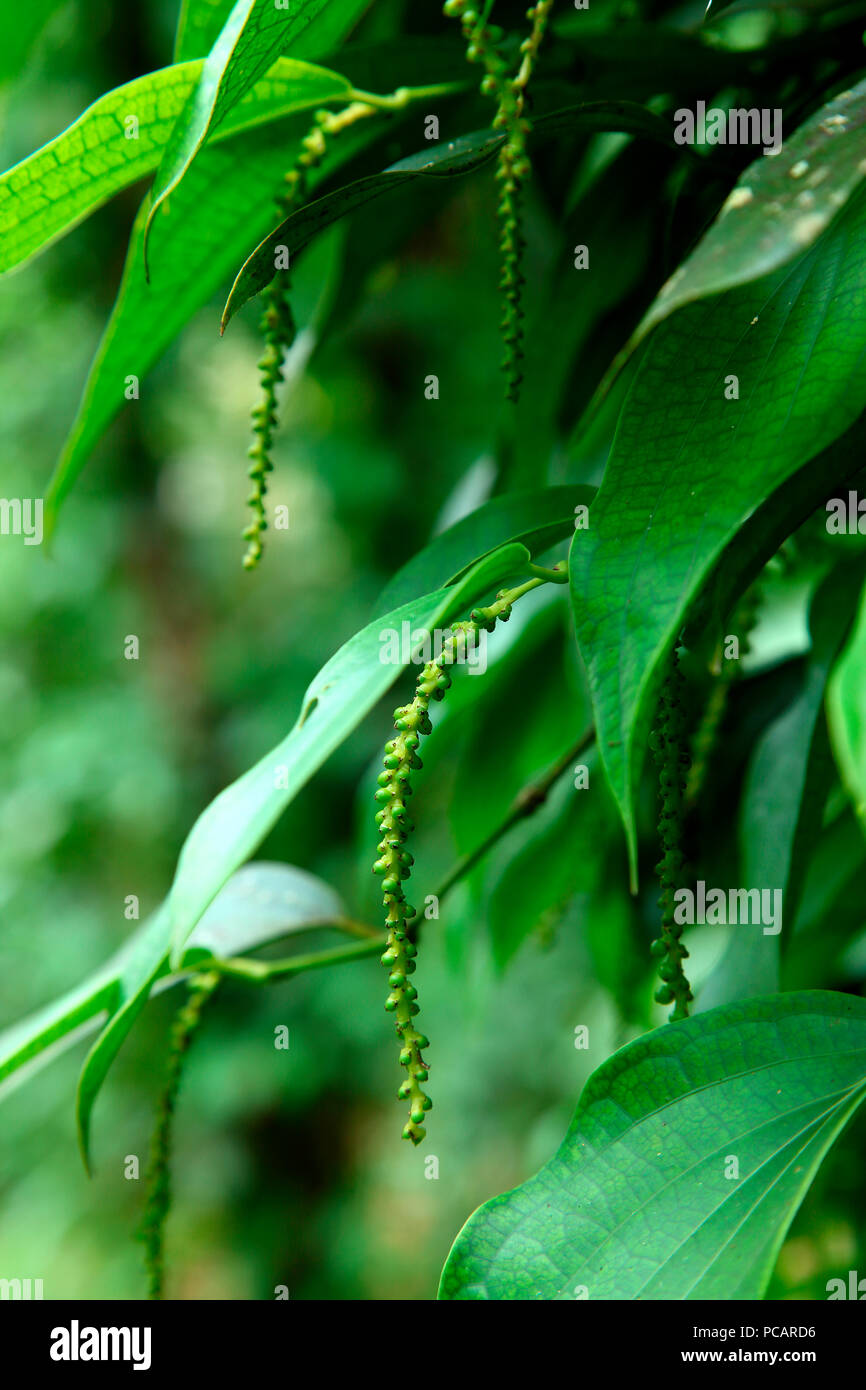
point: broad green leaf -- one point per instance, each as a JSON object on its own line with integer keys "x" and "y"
{"x": 846, "y": 714}
{"x": 346, "y": 688}
{"x": 261, "y": 903}
{"x": 689, "y": 469}
{"x": 223, "y": 204}
{"x": 637, "y": 1203}
{"x": 784, "y": 794}
{"x": 201, "y": 22}
{"x": 51, "y": 191}
{"x": 459, "y": 156}
{"x": 781, "y": 204}
{"x": 536, "y": 518}
{"x": 255, "y": 34}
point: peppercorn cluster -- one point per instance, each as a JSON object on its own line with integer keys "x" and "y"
{"x": 401, "y": 761}
{"x": 278, "y": 330}
{"x": 509, "y": 92}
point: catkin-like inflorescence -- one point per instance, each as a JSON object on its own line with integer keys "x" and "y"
{"x": 667, "y": 743}
{"x": 509, "y": 92}
{"x": 411, "y": 724}
{"x": 152, "y": 1228}
{"x": 278, "y": 329}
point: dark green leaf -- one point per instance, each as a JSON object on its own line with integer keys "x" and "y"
{"x": 255, "y": 34}
{"x": 459, "y": 156}
{"x": 779, "y": 207}
{"x": 639, "y": 1202}
{"x": 783, "y": 802}
{"x": 690, "y": 469}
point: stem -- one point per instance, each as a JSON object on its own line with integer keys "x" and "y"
{"x": 401, "y": 98}
{"x": 526, "y": 803}
{"x": 554, "y": 576}
{"x": 260, "y": 971}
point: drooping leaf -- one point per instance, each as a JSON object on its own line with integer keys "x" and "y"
{"x": 690, "y": 468}
{"x": 459, "y": 156}
{"x": 255, "y": 34}
{"x": 781, "y": 204}
{"x": 51, "y": 191}
{"x": 446, "y": 160}
{"x": 225, "y": 201}
{"x": 536, "y": 518}
{"x": 785, "y": 791}
{"x": 639, "y": 1202}
{"x": 261, "y": 903}
{"x": 346, "y": 688}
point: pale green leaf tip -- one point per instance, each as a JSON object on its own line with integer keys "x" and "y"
{"x": 82, "y": 1122}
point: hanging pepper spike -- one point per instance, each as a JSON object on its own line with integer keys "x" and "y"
{"x": 411, "y": 722}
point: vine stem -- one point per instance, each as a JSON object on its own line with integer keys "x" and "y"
{"x": 526, "y": 803}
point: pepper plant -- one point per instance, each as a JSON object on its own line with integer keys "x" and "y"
{"x": 671, "y": 497}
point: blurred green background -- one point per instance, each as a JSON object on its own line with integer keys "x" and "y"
{"x": 289, "y": 1167}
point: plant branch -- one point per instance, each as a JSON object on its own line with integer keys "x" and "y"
{"x": 526, "y": 803}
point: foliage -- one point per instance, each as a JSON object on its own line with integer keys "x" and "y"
{"x": 665, "y": 509}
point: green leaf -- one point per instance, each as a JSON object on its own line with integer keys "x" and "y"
{"x": 784, "y": 794}
{"x": 224, "y": 202}
{"x": 846, "y": 714}
{"x": 536, "y": 518}
{"x": 198, "y": 27}
{"x": 346, "y": 688}
{"x": 689, "y": 469}
{"x": 253, "y": 37}
{"x": 781, "y": 204}
{"x": 637, "y": 1203}
{"x": 51, "y": 191}
{"x": 261, "y": 903}
{"x": 460, "y": 156}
